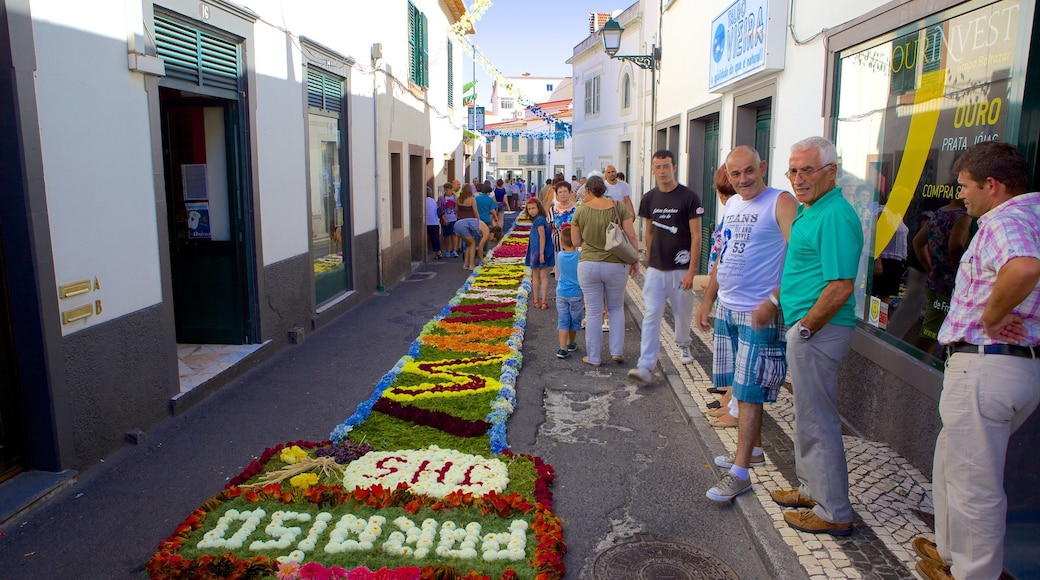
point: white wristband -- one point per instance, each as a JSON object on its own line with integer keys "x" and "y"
{"x": 774, "y": 300}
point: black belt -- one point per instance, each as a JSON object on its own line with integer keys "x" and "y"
{"x": 1005, "y": 349}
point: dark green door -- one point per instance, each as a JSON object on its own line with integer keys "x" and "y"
{"x": 207, "y": 219}
{"x": 763, "y": 130}
{"x": 12, "y": 433}
{"x": 708, "y": 196}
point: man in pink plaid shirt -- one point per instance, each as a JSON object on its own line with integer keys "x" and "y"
{"x": 992, "y": 379}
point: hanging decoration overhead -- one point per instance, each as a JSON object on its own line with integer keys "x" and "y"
{"x": 473, "y": 13}
{"x": 545, "y": 135}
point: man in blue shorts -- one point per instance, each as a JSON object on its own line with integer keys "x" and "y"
{"x": 749, "y": 331}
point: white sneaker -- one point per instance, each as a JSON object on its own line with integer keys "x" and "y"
{"x": 727, "y": 460}
{"x": 728, "y": 487}
{"x": 640, "y": 375}
{"x": 685, "y": 356}
{"x": 606, "y": 326}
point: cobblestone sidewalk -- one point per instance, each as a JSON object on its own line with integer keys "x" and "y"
{"x": 891, "y": 498}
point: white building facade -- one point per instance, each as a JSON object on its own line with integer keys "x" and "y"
{"x": 182, "y": 172}
{"x": 612, "y": 103}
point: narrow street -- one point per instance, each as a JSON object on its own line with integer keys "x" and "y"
{"x": 632, "y": 463}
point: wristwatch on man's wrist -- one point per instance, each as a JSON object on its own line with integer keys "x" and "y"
{"x": 804, "y": 332}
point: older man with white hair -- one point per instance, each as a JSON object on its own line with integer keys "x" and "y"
{"x": 816, "y": 299}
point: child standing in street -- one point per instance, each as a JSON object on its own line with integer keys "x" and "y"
{"x": 569, "y": 302}
{"x": 540, "y": 255}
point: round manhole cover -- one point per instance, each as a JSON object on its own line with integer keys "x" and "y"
{"x": 650, "y": 559}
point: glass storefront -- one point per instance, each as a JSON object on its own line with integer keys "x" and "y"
{"x": 327, "y": 241}
{"x": 907, "y": 105}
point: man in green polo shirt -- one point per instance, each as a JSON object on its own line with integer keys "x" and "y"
{"x": 816, "y": 299}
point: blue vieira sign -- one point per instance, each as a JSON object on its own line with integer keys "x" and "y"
{"x": 745, "y": 39}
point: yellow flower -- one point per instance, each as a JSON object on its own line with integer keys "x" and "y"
{"x": 293, "y": 454}
{"x": 304, "y": 480}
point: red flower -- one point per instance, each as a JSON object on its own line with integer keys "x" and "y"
{"x": 413, "y": 506}
{"x": 315, "y": 571}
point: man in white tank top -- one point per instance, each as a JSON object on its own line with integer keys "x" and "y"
{"x": 750, "y": 342}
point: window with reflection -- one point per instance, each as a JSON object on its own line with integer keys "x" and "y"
{"x": 906, "y": 107}
{"x": 325, "y": 152}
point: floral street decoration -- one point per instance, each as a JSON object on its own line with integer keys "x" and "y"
{"x": 418, "y": 483}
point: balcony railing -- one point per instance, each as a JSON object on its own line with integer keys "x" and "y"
{"x": 536, "y": 159}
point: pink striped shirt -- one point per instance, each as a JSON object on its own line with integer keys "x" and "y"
{"x": 1010, "y": 230}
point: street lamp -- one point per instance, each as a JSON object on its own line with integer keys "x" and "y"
{"x": 611, "y": 35}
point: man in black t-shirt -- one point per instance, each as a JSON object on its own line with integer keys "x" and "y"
{"x": 673, "y": 245}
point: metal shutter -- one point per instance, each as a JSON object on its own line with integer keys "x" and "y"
{"x": 324, "y": 91}
{"x": 196, "y": 56}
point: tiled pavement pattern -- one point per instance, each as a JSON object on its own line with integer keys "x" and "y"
{"x": 891, "y": 498}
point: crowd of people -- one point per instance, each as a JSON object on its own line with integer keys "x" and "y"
{"x": 464, "y": 218}
{"x": 779, "y": 299}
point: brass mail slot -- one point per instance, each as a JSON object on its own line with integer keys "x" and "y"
{"x": 77, "y": 313}
{"x": 74, "y": 289}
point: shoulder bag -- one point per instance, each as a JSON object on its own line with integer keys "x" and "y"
{"x": 618, "y": 242}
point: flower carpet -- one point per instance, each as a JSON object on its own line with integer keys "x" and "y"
{"x": 418, "y": 483}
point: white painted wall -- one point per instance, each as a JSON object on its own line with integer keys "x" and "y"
{"x": 798, "y": 103}
{"x": 281, "y": 144}
{"x": 96, "y": 148}
{"x": 597, "y": 138}
{"x": 351, "y": 30}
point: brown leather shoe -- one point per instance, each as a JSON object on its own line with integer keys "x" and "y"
{"x": 927, "y": 550}
{"x": 807, "y": 521}
{"x": 791, "y": 498}
{"x": 932, "y": 570}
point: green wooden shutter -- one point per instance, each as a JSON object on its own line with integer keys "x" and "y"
{"x": 196, "y": 56}
{"x": 424, "y": 52}
{"x": 451, "y": 76}
{"x": 418, "y": 52}
{"x": 324, "y": 91}
{"x": 413, "y": 53}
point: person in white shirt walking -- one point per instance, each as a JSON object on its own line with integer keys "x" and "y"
{"x": 673, "y": 247}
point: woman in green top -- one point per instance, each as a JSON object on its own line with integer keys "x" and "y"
{"x": 601, "y": 274}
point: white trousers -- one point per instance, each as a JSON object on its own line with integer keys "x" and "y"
{"x": 660, "y": 287}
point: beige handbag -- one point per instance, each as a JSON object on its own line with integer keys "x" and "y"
{"x": 617, "y": 241}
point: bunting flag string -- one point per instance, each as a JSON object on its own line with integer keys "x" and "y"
{"x": 473, "y": 13}
{"x": 526, "y": 134}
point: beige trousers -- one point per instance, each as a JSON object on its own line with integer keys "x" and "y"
{"x": 985, "y": 399}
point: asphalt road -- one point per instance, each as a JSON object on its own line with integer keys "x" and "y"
{"x": 627, "y": 460}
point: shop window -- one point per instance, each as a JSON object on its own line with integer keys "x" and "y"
{"x": 329, "y": 238}
{"x": 905, "y": 110}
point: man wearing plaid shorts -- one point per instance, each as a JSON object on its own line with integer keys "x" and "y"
{"x": 749, "y": 333}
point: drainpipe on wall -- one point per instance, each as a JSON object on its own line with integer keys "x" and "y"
{"x": 377, "y": 53}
